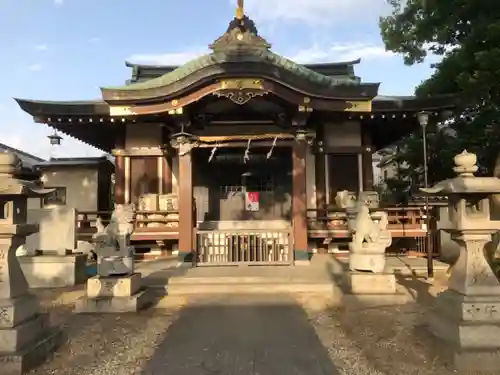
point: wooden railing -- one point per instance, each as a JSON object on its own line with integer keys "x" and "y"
{"x": 403, "y": 222}
{"x": 149, "y": 225}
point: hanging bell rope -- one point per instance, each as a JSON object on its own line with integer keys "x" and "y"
{"x": 246, "y": 157}
{"x": 270, "y": 153}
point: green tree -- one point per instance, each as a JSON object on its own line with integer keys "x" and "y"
{"x": 466, "y": 33}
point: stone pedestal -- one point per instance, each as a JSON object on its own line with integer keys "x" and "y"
{"x": 54, "y": 271}
{"x": 111, "y": 262}
{"x": 467, "y": 315}
{"x": 367, "y": 288}
{"x": 26, "y": 337}
{"x": 471, "y": 328}
{"x": 371, "y": 257}
{"x": 372, "y": 283}
{"x": 114, "y": 294}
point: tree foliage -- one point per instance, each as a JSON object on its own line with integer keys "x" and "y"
{"x": 466, "y": 34}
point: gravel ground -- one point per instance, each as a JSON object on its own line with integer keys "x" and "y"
{"x": 104, "y": 344}
{"x": 363, "y": 341}
{"x": 383, "y": 340}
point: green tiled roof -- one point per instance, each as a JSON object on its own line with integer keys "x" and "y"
{"x": 219, "y": 57}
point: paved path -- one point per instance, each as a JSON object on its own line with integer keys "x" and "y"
{"x": 240, "y": 335}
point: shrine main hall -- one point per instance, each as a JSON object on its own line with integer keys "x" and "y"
{"x": 243, "y": 149}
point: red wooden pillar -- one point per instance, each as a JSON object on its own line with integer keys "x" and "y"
{"x": 299, "y": 201}
{"x": 186, "y": 217}
{"x": 119, "y": 188}
{"x": 119, "y": 179}
{"x": 167, "y": 174}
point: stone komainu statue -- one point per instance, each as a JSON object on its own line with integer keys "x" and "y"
{"x": 117, "y": 232}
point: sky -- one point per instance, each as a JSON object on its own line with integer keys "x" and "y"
{"x": 67, "y": 49}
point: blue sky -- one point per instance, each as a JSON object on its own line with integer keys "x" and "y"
{"x": 67, "y": 49}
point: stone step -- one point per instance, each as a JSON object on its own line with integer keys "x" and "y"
{"x": 252, "y": 288}
{"x": 235, "y": 280}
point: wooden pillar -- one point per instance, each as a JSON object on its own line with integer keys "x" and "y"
{"x": 320, "y": 172}
{"x": 120, "y": 179}
{"x": 166, "y": 173}
{"x": 299, "y": 201}
{"x": 368, "y": 170}
{"x": 186, "y": 214}
{"x": 120, "y": 167}
{"x": 367, "y": 161}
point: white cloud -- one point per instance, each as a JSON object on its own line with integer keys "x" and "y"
{"x": 35, "y": 67}
{"x": 176, "y": 58}
{"x": 42, "y": 47}
{"x": 341, "y": 52}
{"x": 313, "y": 11}
{"x": 58, "y": 2}
{"x": 95, "y": 39}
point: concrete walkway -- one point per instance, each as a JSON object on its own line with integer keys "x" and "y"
{"x": 241, "y": 335}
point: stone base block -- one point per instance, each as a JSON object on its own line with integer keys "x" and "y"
{"x": 367, "y": 262}
{"x": 132, "y": 303}
{"x": 33, "y": 355}
{"x": 13, "y": 339}
{"x": 480, "y": 355}
{"x": 465, "y": 335}
{"x": 14, "y": 311}
{"x": 459, "y": 307}
{"x": 115, "y": 265}
{"x": 53, "y": 271}
{"x": 371, "y": 283}
{"x": 114, "y": 286}
{"x": 478, "y": 360}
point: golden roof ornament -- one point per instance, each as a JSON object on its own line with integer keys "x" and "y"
{"x": 240, "y": 10}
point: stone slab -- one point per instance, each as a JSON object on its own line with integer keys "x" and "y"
{"x": 114, "y": 286}
{"x": 115, "y": 304}
{"x": 52, "y": 271}
{"x": 371, "y": 283}
{"x": 31, "y": 356}
{"x": 17, "y": 310}
{"x": 13, "y": 339}
{"x": 57, "y": 230}
{"x": 329, "y": 289}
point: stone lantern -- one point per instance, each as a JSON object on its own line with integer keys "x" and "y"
{"x": 467, "y": 314}
{"x": 26, "y": 338}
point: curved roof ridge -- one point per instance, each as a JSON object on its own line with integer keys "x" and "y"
{"x": 130, "y": 64}
{"x": 221, "y": 57}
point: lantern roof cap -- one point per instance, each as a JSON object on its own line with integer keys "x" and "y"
{"x": 465, "y": 182}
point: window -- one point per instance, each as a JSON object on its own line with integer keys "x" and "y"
{"x": 58, "y": 196}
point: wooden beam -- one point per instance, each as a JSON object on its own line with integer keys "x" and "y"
{"x": 341, "y": 149}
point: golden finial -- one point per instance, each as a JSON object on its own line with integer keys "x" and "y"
{"x": 239, "y": 9}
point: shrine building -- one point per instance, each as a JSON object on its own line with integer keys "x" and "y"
{"x": 242, "y": 149}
